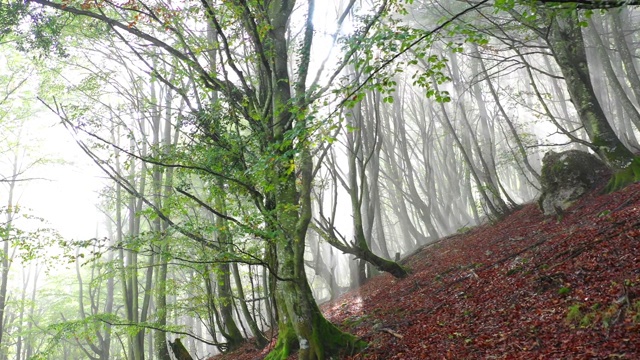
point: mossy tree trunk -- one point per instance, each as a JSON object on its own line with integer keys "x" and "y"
{"x": 615, "y": 85}
{"x": 230, "y": 332}
{"x": 301, "y": 324}
{"x": 566, "y": 43}
{"x": 270, "y": 146}
{"x": 259, "y": 339}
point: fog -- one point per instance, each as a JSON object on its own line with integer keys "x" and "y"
{"x": 154, "y": 190}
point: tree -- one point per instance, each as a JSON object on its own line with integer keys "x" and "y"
{"x": 560, "y": 24}
{"x": 269, "y": 109}
{"x": 562, "y": 30}
{"x": 235, "y": 185}
{"x": 18, "y": 158}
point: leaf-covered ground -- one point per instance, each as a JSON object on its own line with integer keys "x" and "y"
{"x": 529, "y": 287}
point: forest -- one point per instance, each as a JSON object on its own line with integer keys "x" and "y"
{"x": 190, "y": 179}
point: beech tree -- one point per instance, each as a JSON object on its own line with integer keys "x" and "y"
{"x": 260, "y": 129}
{"x": 560, "y": 25}
{"x": 23, "y": 235}
{"x": 252, "y": 134}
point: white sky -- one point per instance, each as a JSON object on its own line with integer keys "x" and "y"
{"x": 67, "y": 198}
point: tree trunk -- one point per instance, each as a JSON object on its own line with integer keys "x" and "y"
{"x": 231, "y": 332}
{"x": 614, "y": 83}
{"x": 521, "y": 149}
{"x": 413, "y": 196}
{"x": 7, "y": 254}
{"x": 212, "y": 309}
{"x": 128, "y": 259}
{"x": 566, "y": 42}
{"x": 179, "y": 351}
{"x": 260, "y": 340}
{"x": 493, "y": 210}
{"x": 26, "y": 274}
{"x": 626, "y": 56}
{"x": 301, "y": 323}
{"x": 360, "y": 246}
{"x": 31, "y": 340}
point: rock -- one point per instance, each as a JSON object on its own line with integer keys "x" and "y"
{"x": 565, "y": 177}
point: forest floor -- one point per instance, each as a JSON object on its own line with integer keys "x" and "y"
{"x": 528, "y": 287}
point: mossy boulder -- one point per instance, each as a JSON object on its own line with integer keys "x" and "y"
{"x": 565, "y": 177}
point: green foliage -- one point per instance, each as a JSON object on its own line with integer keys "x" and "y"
{"x": 33, "y": 243}
{"x": 604, "y": 213}
{"x": 606, "y": 317}
{"x": 624, "y": 177}
{"x": 385, "y": 51}
{"x": 574, "y": 314}
{"x": 11, "y": 13}
{"x": 564, "y": 290}
{"x": 464, "y": 230}
{"x": 504, "y": 5}
{"x": 86, "y": 330}
{"x": 587, "y": 320}
{"x": 42, "y": 37}
{"x": 635, "y": 315}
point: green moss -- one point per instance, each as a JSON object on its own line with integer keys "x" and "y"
{"x": 335, "y": 341}
{"x": 610, "y": 315}
{"x": 514, "y": 271}
{"x": 587, "y": 320}
{"x": 464, "y": 230}
{"x": 574, "y": 314}
{"x": 564, "y": 291}
{"x": 287, "y": 341}
{"x": 325, "y": 340}
{"x": 604, "y": 213}
{"x": 624, "y": 177}
{"x": 635, "y": 313}
{"x": 354, "y": 321}
{"x": 570, "y": 165}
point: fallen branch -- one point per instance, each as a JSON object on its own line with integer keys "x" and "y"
{"x": 389, "y": 331}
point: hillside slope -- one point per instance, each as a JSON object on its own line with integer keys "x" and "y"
{"x": 529, "y": 287}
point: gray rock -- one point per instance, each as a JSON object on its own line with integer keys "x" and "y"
{"x": 565, "y": 177}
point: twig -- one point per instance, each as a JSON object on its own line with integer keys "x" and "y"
{"x": 389, "y": 331}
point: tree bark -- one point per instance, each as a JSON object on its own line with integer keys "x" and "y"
{"x": 566, "y": 43}
{"x": 626, "y": 56}
{"x": 7, "y": 254}
{"x": 620, "y": 95}
{"x": 521, "y": 149}
{"x": 301, "y": 324}
{"x": 260, "y": 340}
